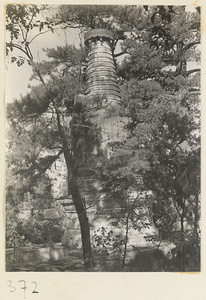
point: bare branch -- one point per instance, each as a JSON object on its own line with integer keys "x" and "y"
{"x": 17, "y": 47}
{"x": 39, "y": 34}
{"x": 121, "y": 53}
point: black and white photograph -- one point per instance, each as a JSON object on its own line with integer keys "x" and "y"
{"x": 102, "y": 138}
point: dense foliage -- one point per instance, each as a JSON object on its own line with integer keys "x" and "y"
{"x": 160, "y": 104}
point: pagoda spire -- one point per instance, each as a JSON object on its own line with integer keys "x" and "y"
{"x": 101, "y": 75}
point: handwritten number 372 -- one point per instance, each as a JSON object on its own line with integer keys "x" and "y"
{"x": 13, "y": 288}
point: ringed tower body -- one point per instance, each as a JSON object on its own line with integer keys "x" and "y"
{"x": 101, "y": 75}
{"x": 102, "y": 85}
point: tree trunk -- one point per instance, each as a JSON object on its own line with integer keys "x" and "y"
{"x": 182, "y": 243}
{"x": 126, "y": 240}
{"x": 73, "y": 190}
{"x": 83, "y": 220}
{"x": 195, "y": 235}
